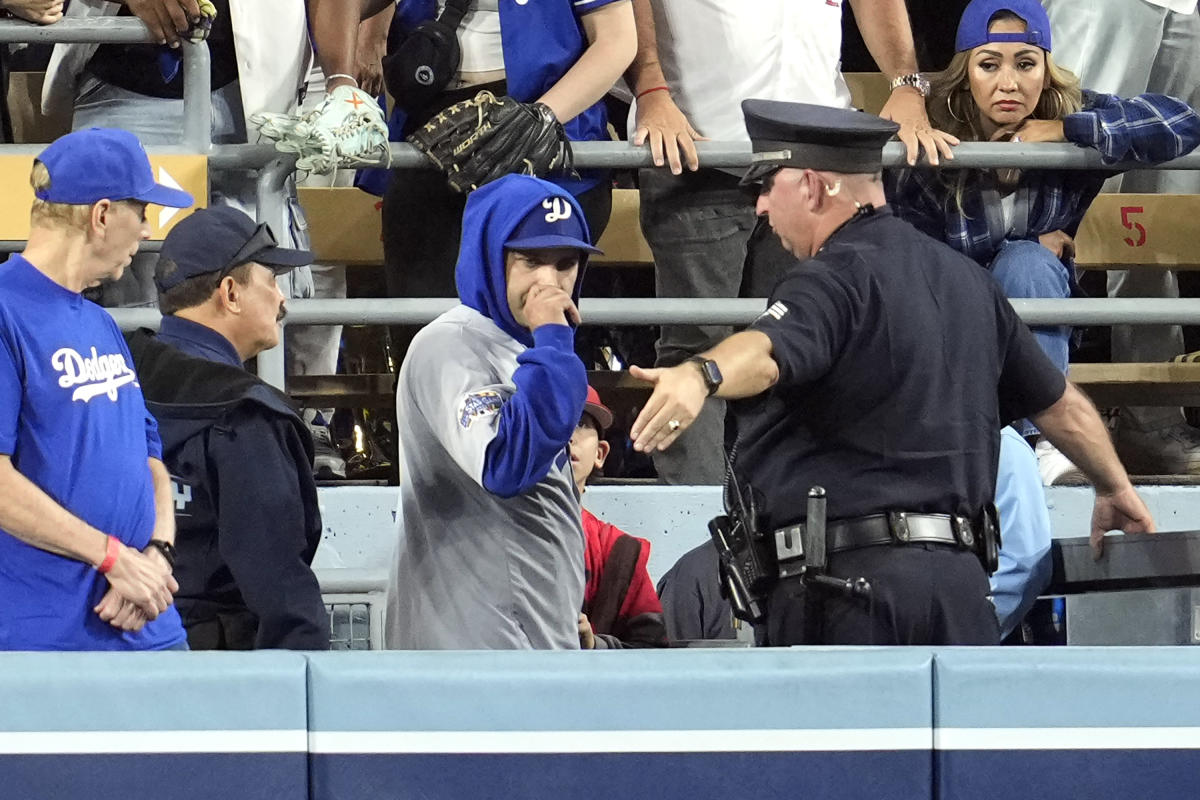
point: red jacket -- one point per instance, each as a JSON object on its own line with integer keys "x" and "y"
{"x": 619, "y": 598}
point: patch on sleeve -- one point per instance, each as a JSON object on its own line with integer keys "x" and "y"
{"x": 776, "y": 311}
{"x": 479, "y": 404}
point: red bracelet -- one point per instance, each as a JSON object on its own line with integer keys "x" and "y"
{"x": 111, "y": 552}
{"x": 640, "y": 95}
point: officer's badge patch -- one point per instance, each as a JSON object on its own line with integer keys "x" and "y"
{"x": 479, "y": 404}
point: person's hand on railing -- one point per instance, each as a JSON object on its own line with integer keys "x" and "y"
{"x": 168, "y": 20}
{"x": 906, "y": 107}
{"x": 660, "y": 122}
{"x": 43, "y": 12}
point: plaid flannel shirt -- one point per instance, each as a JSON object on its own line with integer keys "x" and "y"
{"x": 1150, "y": 128}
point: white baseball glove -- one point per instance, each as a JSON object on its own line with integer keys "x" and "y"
{"x": 346, "y": 130}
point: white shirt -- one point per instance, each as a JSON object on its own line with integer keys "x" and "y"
{"x": 1178, "y": 6}
{"x": 479, "y": 36}
{"x": 716, "y": 53}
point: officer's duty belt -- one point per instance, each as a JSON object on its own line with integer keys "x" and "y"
{"x": 898, "y": 527}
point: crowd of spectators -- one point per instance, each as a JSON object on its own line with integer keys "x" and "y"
{"x": 530, "y": 567}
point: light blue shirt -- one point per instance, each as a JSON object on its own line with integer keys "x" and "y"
{"x": 1025, "y": 564}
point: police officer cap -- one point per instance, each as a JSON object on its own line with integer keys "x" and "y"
{"x": 813, "y": 137}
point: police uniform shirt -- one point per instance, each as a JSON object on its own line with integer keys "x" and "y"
{"x": 899, "y": 360}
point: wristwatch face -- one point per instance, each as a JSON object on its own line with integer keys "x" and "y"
{"x": 712, "y": 375}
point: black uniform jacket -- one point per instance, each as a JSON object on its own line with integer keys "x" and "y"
{"x": 247, "y": 521}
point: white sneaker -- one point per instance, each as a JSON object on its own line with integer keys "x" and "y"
{"x": 1055, "y": 468}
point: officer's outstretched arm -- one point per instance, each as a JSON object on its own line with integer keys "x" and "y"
{"x": 747, "y": 368}
{"x": 1074, "y": 427}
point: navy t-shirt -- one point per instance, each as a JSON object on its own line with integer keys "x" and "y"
{"x": 899, "y": 361}
{"x": 74, "y": 422}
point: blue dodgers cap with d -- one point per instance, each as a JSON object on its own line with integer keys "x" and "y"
{"x": 94, "y": 164}
{"x": 217, "y": 240}
{"x": 807, "y": 136}
{"x": 973, "y": 25}
{"x": 552, "y": 223}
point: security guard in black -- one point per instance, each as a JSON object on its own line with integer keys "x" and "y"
{"x": 883, "y": 370}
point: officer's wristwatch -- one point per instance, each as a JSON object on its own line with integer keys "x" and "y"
{"x": 915, "y": 80}
{"x": 166, "y": 548}
{"x": 710, "y": 372}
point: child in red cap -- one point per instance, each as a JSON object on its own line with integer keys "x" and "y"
{"x": 620, "y": 608}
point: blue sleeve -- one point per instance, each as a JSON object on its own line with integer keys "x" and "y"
{"x": 1025, "y": 565}
{"x": 537, "y": 421}
{"x": 11, "y": 393}
{"x": 1150, "y": 128}
{"x": 153, "y": 440}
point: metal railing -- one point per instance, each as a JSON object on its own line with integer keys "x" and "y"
{"x": 197, "y": 71}
{"x": 274, "y": 170}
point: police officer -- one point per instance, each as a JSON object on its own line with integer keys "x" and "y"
{"x": 882, "y": 369}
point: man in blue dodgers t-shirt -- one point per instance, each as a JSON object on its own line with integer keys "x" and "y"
{"x": 86, "y": 520}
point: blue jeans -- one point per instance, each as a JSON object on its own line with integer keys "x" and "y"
{"x": 1027, "y": 269}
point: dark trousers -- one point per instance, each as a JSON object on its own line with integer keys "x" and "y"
{"x": 921, "y": 594}
{"x": 707, "y": 242}
{"x": 228, "y": 630}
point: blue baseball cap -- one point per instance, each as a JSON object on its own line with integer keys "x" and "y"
{"x": 90, "y": 165}
{"x": 555, "y": 222}
{"x": 973, "y": 26}
{"x": 217, "y": 240}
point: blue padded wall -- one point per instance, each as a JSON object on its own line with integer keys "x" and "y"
{"x": 126, "y": 726}
{"x": 665, "y": 724}
{"x": 1113, "y": 723}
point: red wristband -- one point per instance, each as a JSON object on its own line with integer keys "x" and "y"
{"x": 110, "y": 555}
{"x": 640, "y": 95}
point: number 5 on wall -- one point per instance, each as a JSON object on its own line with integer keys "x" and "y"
{"x": 1126, "y": 212}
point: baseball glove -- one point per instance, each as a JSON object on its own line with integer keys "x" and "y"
{"x": 486, "y": 137}
{"x": 346, "y": 130}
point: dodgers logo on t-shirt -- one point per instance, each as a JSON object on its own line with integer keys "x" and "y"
{"x": 93, "y": 375}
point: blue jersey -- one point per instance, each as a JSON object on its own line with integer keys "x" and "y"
{"x": 74, "y": 422}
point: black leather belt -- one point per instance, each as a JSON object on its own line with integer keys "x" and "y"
{"x": 898, "y": 527}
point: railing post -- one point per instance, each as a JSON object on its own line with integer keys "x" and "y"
{"x": 197, "y": 97}
{"x": 270, "y": 203}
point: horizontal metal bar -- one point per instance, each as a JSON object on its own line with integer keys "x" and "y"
{"x": 1110, "y": 311}
{"x": 347, "y": 580}
{"x": 17, "y": 245}
{"x": 121, "y": 30}
{"x": 714, "y": 311}
{"x": 975, "y": 155}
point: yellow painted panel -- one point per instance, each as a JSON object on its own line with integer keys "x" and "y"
{"x": 622, "y": 241}
{"x": 1141, "y": 229}
{"x": 189, "y": 173}
{"x": 344, "y": 223}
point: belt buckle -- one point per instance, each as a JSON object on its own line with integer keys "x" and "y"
{"x": 962, "y": 530}
{"x": 898, "y": 523}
